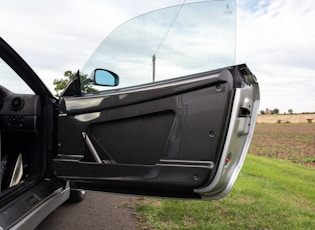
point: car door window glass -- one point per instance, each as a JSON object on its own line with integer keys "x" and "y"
{"x": 168, "y": 43}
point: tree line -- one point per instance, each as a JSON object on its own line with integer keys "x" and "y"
{"x": 274, "y": 111}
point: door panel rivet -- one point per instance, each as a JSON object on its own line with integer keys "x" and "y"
{"x": 196, "y": 177}
{"x": 211, "y": 134}
{"x": 218, "y": 88}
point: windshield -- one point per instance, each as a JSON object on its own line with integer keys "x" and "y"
{"x": 168, "y": 43}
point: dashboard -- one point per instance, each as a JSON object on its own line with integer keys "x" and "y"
{"x": 18, "y": 112}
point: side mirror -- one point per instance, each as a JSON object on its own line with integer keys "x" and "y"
{"x": 104, "y": 77}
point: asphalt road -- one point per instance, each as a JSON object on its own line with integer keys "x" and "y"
{"x": 96, "y": 211}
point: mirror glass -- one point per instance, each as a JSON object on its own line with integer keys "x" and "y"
{"x": 106, "y": 78}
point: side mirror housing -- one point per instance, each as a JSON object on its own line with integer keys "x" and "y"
{"x": 74, "y": 87}
{"x": 104, "y": 77}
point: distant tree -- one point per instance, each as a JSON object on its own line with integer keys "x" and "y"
{"x": 290, "y": 111}
{"x": 61, "y": 83}
{"x": 275, "y": 111}
{"x": 262, "y": 112}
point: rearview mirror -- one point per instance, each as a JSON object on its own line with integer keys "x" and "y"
{"x": 104, "y": 77}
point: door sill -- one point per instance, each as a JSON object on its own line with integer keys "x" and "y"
{"x": 34, "y": 205}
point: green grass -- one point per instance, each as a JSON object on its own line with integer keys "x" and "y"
{"x": 275, "y": 189}
{"x": 268, "y": 194}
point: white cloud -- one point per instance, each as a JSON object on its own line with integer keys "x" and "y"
{"x": 277, "y": 42}
{"x": 54, "y": 36}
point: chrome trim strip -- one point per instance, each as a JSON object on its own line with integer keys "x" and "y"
{"x": 70, "y": 156}
{"x": 186, "y": 162}
{"x": 91, "y": 148}
{"x": 210, "y": 166}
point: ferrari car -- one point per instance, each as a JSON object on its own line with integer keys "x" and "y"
{"x": 171, "y": 115}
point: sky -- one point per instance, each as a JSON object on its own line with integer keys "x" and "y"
{"x": 275, "y": 38}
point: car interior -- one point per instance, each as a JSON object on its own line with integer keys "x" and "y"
{"x": 20, "y": 139}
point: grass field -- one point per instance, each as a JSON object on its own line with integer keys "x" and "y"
{"x": 285, "y": 118}
{"x": 275, "y": 189}
{"x": 292, "y": 142}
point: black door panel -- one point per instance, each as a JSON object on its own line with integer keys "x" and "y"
{"x": 155, "y": 138}
{"x": 134, "y": 140}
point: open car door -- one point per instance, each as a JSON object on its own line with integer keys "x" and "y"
{"x": 178, "y": 137}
